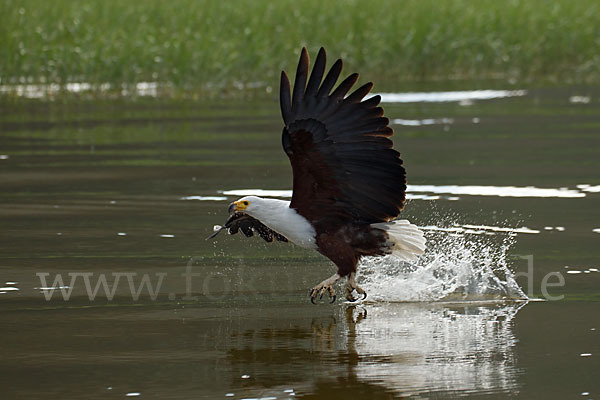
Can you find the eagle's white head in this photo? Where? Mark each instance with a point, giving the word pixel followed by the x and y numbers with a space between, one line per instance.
pixel 248 205
pixel 277 215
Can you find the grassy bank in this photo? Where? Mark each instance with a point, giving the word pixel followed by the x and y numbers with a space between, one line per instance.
pixel 217 46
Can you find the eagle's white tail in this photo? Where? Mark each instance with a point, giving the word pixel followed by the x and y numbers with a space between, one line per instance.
pixel 407 241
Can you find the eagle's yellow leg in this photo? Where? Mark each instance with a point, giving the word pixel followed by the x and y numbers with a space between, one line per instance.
pixel 325 287
pixel 352 286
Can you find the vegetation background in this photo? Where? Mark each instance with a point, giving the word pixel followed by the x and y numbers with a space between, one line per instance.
pixel 220 47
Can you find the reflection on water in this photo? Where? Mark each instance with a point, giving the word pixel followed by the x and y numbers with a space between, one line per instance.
pixel 40 91
pixel 404 349
pixel 440 97
pixel 589 188
pixel 264 348
pixel 463 348
pixel 421 122
pixel 500 191
pixel 469 190
pixel 152 89
pixel 205 198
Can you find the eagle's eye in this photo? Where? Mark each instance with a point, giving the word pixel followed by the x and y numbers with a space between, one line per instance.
pixel 245 203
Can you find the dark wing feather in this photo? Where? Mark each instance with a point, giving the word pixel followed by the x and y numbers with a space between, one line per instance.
pixel 339 147
pixel 249 225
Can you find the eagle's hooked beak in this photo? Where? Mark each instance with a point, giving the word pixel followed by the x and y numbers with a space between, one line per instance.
pixel 238 206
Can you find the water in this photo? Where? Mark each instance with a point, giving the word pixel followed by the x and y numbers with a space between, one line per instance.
pixel 108 288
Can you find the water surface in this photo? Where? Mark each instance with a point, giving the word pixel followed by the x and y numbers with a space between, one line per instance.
pixel 128 191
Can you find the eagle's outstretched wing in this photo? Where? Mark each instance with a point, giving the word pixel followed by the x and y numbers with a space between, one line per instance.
pixel 343 162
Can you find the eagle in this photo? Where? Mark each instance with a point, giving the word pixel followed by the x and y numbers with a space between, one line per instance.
pixel 349 184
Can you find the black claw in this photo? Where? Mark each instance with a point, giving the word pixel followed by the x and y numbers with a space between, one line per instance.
pixel 333 299
pixel 312 300
pixel 364 295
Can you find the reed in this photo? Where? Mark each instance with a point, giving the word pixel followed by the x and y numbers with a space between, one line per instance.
pixel 218 47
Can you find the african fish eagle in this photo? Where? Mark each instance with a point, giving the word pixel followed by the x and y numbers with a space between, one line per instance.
pixel 348 182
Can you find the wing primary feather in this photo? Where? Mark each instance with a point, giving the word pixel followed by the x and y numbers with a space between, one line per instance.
pixel 330 79
pixel 354 114
pixel 317 74
pixel 372 101
pixel 359 93
pixel 345 86
pixel 345 168
pixel 300 81
pixel 285 99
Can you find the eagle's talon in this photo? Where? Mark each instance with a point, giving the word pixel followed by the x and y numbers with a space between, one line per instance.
pixel 351 287
pixel 324 287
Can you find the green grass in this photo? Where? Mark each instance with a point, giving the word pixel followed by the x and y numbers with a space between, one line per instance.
pixel 218 47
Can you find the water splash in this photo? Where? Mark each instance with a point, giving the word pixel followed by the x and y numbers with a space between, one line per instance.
pixel 454 267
